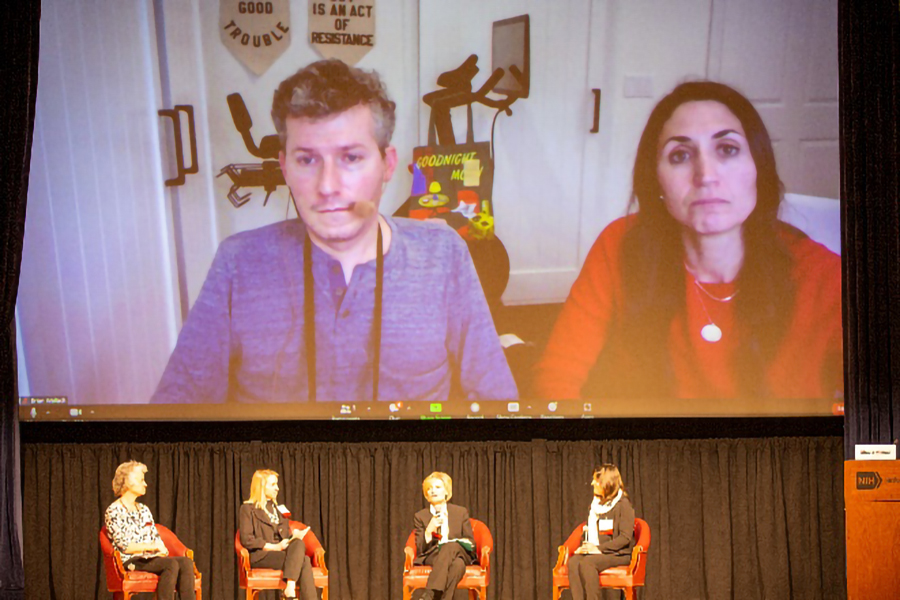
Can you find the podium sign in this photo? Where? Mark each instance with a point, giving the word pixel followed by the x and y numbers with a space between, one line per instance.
pixel 872 508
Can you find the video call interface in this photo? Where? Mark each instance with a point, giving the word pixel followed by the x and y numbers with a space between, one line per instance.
pixel 117 274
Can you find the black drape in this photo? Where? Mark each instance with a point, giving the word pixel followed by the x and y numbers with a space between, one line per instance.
pixel 18 92
pixel 743 519
pixel 869 47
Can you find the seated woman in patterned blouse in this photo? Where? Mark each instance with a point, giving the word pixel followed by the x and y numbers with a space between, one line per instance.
pixel 133 533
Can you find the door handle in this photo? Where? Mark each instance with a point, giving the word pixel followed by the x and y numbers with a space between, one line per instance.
pixel 596 127
pixel 188 110
pixel 174 115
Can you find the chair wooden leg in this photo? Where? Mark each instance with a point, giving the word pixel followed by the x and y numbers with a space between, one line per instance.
pixel 556 592
pixel 629 593
pixel 407 593
pixel 325 593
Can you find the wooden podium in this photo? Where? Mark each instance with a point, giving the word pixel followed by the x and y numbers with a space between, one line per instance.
pixel 872 508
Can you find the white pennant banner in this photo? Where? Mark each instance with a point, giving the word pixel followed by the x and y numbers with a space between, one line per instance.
pixel 256 33
pixel 343 29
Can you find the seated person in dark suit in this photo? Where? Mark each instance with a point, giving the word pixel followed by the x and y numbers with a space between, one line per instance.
pixel 435 527
pixel 608 535
pixel 267 534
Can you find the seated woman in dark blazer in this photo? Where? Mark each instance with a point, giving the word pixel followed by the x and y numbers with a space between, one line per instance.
pixel 609 534
pixel 267 534
pixel 434 526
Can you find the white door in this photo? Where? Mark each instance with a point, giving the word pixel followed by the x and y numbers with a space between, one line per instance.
pixel 782 54
pixel 97 304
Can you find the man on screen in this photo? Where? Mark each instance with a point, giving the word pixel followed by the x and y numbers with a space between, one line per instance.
pixel 342 304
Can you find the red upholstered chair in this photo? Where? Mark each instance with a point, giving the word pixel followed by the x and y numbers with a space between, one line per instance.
pixel 476 578
pixel 253 580
pixel 626 577
pixel 123 583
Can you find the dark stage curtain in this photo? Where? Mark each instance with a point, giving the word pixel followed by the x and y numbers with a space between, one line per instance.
pixel 18 74
pixel 869 44
pixel 742 519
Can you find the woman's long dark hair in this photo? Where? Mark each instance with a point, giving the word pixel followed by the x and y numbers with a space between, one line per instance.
pixel 653 255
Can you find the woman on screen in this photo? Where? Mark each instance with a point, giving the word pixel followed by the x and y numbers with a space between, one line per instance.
pixel 608 534
pixel 444 538
pixel 703 293
pixel 267 534
pixel 132 531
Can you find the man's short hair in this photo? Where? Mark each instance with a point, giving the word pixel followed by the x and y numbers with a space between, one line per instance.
pixel 329 87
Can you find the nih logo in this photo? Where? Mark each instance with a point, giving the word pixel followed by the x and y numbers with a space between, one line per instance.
pixel 868 480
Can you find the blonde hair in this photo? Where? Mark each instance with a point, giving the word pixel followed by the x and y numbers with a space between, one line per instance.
pixel 258 487
pixel 610 482
pixel 444 478
pixel 122 473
